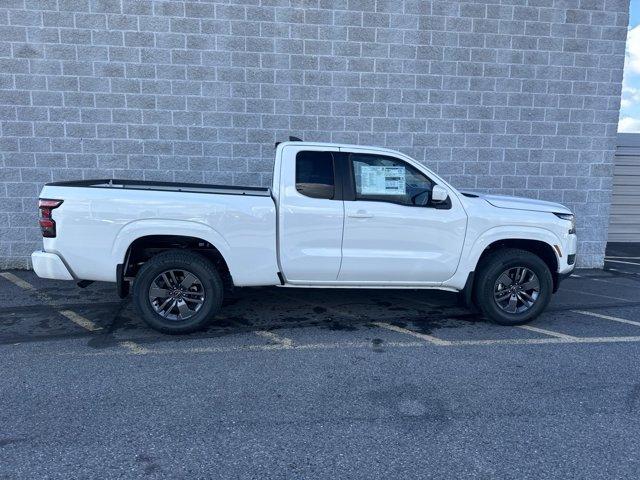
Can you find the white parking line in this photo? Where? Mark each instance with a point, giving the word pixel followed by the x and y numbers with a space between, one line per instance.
pixel 43 297
pixel 582 292
pixel 17 280
pixel 428 338
pixel 551 333
pixel 607 317
pixel 69 314
pixel 80 320
pixel 284 341
pixel 623 258
pixel 134 348
pixel 602 280
pixel 621 261
pixel 542 341
pixel 344 345
pixel 609 269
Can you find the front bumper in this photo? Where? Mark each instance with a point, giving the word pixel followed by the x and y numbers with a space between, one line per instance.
pixel 50 265
pixel 567 262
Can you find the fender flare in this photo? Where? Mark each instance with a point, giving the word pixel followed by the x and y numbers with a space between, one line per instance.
pixel 184 228
pixel 473 250
pixel 501 233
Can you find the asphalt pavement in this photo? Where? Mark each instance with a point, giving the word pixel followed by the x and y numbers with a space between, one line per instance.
pixel 297 383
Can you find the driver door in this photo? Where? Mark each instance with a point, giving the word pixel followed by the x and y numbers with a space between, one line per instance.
pixel 393 233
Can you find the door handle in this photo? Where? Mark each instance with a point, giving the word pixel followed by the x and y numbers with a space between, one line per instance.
pixel 360 214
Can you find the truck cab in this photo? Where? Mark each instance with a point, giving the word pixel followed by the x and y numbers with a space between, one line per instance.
pixel 356 216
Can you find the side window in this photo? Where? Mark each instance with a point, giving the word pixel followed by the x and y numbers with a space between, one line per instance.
pixel 390 180
pixel 314 174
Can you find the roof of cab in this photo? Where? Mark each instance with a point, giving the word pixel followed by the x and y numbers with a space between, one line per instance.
pixel 346 146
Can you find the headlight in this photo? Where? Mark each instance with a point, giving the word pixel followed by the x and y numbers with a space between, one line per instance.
pixel 571 218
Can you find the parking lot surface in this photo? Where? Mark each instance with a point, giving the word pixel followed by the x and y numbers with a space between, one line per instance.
pixel 301 383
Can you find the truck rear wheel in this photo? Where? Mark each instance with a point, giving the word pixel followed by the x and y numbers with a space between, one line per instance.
pixel 513 286
pixel 178 292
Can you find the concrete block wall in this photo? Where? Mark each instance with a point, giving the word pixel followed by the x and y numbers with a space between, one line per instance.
pixel 514 96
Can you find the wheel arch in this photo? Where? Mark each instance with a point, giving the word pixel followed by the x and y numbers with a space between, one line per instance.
pixel 138 243
pixel 540 248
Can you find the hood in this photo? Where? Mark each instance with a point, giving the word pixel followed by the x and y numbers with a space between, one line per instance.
pixel 519 203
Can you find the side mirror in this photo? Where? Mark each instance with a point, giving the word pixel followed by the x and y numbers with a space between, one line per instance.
pixel 439 194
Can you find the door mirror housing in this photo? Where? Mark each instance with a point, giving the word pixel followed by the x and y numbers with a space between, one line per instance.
pixel 439 194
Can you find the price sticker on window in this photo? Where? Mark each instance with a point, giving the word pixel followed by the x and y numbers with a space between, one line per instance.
pixel 377 180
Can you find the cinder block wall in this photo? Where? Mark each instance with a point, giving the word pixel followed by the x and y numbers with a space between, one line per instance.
pixel 517 97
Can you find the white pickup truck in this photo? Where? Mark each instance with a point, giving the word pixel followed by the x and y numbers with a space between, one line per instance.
pixel 336 216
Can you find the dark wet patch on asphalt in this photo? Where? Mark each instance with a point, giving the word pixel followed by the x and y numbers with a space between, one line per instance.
pixel 36 324
pixel 340 326
pixel 107 338
pixel 251 309
pixel 376 345
pixel 12 440
pixel 148 463
pixel 412 405
pixel 429 326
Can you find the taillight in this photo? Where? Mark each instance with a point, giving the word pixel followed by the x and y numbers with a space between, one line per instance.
pixel 47 223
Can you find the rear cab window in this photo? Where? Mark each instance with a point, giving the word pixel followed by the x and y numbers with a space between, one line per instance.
pixel 315 175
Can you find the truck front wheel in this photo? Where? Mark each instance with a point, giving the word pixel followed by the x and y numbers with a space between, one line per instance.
pixel 513 286
pixel 178 292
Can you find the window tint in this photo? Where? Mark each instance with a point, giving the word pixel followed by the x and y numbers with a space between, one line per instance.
pixel 314 174
pixel 387 179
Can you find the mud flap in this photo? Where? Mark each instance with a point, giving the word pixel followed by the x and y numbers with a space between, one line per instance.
pixel 122 286
pixel 466 294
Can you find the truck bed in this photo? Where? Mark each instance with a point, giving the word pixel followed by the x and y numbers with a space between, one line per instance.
pixel 166 186
pixel 98 220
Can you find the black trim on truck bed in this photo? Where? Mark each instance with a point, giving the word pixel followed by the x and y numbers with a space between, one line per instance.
pixel 166 186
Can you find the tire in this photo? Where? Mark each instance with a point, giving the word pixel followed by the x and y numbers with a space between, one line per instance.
pixel 192 304
pixel 494 295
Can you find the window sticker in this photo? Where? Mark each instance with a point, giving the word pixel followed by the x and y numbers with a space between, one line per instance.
pixel 376 180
